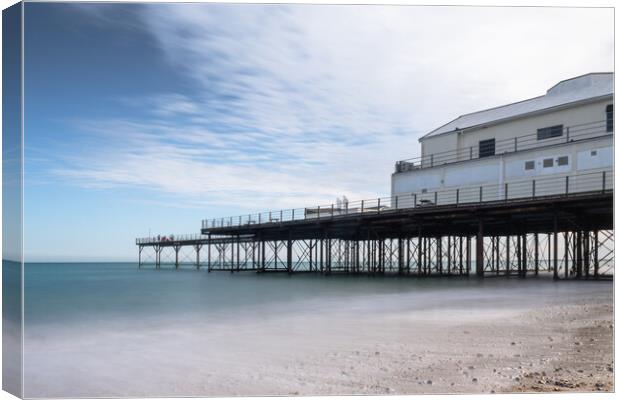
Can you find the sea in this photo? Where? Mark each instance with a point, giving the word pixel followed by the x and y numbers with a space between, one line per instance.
pixel 112 329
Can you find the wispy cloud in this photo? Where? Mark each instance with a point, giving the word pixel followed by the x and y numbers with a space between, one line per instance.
pixel 296 105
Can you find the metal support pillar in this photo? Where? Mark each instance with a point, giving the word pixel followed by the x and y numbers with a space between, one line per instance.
pixel 419 252
pixel 238 254
pixel 310 255
pixel 536 254
pixel 566 254
pixel 586 253
pixel 468 255
pixel 209 253
pixel 198 247
pixel 263 265
pixel 289 255
pixel 507 255
pixel 519 256
pixel 401 257
pixel 579 245
pixel 439 241
pixel 525 257
pixel 555 247
pixel 480 249
pixel 321 262
pixel 460 255
pixel 176 256
pixel 596 262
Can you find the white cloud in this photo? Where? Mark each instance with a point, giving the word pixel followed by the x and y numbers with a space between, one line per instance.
pixel 296 105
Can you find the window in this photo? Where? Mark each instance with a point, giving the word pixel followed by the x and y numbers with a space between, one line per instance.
pixel 593 153
pixel 549 132
pixel 563 160
pixel 486 148
pixel 548 162
pixel 529 165
pixel 609 111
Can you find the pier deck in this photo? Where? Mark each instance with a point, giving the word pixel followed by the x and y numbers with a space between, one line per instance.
pixel 567 232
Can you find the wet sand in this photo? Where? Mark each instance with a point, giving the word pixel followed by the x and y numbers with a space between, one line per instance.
pixel 499 336
pixel 551 348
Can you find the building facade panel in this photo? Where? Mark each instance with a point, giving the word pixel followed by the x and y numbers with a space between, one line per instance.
pixel 466 143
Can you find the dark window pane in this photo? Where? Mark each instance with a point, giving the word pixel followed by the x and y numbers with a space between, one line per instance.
pixel 529 165
pixel 609 110
pixel 550 132
pixel 486 148
pixel 563 160
pixel 548 162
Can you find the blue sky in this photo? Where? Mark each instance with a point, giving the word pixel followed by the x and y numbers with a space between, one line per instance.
pixel 152 117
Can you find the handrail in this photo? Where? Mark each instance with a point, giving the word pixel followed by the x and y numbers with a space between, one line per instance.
pixel 528 141
pixel 601 181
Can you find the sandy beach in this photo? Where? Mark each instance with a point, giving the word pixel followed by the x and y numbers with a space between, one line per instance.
pixel 324 336
pixel 552 348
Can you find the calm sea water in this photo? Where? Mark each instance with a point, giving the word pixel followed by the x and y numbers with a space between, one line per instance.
pixel 87 322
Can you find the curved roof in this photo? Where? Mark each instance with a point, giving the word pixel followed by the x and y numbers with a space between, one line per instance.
pixel 580 88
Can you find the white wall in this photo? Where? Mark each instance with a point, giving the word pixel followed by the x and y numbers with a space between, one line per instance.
pixel 583 157
pixel 528 125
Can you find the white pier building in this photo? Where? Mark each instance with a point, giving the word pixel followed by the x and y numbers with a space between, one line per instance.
pixel 564 133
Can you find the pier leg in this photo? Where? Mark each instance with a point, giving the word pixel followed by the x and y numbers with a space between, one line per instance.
pixel 439 241
pixel 460 255
pixel 310 255
pixel 289 255
pixel 198 247
pixel 140 256
pixel 536 254
pixel 480 250
pixel 329 255
pixel 497 259
pixel 566 253
pixel 262 261
pixel 519 256
pixel 579 245
pixel 468 255
pixel 401 257
pixel 357 256
pixel 209 253
pixel 238 254
pixel 176 256
pixel 254 247
pixel 525 258
pixel 449 254
pixel 408 255
pixel 157 255
pixel 586 253
pixel 555 247
pixel 321 261
pixel 596 262
pixel 507 256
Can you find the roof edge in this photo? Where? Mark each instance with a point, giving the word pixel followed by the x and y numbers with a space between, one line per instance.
pixel 514 117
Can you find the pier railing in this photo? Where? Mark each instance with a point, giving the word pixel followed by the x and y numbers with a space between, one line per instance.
pixel 187 238
pixel 518 143
pixel 527 189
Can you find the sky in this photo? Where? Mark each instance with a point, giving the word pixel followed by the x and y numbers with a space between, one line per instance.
pixel 146 118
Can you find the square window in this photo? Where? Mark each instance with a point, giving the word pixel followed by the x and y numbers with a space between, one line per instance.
pixel 593 153
pixel 563 160
pixel 486 148
pixel 548 162
pixel 529 165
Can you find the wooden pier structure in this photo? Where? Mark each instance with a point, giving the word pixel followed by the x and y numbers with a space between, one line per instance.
pixel 559 226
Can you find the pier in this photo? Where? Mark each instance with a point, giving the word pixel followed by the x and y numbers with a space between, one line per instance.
pixel 557 225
